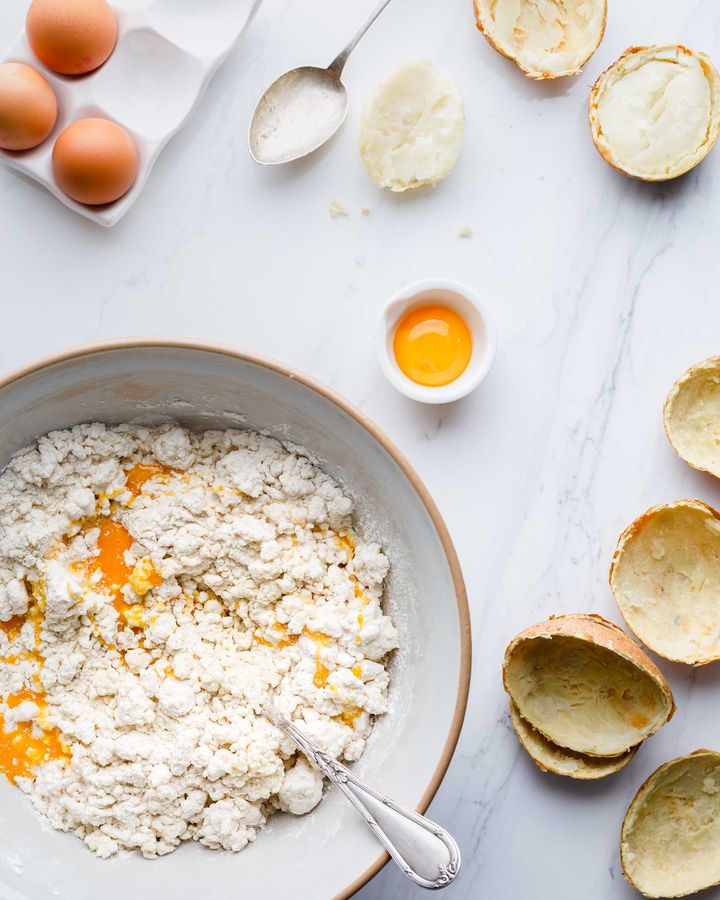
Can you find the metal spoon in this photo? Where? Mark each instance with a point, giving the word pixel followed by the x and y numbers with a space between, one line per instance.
pixel 302 109
pixel 425 852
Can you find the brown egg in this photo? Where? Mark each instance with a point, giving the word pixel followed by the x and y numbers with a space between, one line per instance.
pixel 28 108
pixel 71 36
pixel 95 161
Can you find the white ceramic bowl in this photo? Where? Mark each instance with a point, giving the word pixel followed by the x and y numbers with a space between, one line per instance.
pixel 166 53
pixel 469 306
pixel 329 853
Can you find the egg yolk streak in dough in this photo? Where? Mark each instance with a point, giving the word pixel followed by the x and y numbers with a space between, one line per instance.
pixel 26 745
pixel 29 744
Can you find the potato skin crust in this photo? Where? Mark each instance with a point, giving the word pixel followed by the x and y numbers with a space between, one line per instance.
pixel 595 630
pixel 635 802
pixel 596 131
pixel 712 362
pixel 535 74
pixel 627 536
pixel 582 772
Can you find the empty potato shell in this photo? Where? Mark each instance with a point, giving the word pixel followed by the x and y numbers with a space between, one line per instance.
pixel 548 757
pixel 665 576
pixel 670 841
pixel 586 686
pixel 547 40
pixel 692 416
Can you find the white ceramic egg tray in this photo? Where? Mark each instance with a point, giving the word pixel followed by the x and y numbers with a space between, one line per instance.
pixel 166 53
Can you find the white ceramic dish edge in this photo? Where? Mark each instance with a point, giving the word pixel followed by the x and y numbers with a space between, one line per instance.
pixel 210 383
pixel 77 98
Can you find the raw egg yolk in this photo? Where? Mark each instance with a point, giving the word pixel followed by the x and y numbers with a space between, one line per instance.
pixel 112 543
pixel 432 345
pixel 136 477
pixel 108 569
pixel 25 747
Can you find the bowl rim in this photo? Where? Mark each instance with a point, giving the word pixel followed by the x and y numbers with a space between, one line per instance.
pixel 159 343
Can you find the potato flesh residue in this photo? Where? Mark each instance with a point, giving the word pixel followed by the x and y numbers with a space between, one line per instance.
pixel 582 696
pixel 666 580
pixel 671 834
pixel 551 758
pixel 692 416
pixel 655 112
pixel 545 37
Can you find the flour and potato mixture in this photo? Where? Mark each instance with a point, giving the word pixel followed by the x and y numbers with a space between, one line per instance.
pixel 157 588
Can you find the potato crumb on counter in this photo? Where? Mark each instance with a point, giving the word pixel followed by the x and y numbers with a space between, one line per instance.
pixel 337 208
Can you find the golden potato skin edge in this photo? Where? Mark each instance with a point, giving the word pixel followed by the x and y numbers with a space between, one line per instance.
pixel 594 629
pixel 634 802
pixel 686 376
pixel 595 129
pixel 579 774
pixel 628 534
pixel 537 75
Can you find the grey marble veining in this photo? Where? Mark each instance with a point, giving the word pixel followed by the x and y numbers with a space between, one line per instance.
pixel 603 290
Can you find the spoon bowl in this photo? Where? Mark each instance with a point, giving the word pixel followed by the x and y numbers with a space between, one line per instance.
pixel 424 851
pixel 303 108
pixel 298 113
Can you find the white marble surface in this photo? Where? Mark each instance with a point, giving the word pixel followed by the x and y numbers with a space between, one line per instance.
pixel 603 291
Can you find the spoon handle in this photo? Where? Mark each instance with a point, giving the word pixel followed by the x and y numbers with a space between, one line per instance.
pixel 425 852
pixel 338 64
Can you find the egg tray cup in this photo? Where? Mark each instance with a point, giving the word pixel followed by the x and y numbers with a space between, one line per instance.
pixel 166 53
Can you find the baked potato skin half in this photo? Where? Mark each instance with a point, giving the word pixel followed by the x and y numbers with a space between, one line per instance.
pixel 648 587
pixel 691 416
pixel 548 757
pixel 539 71
pixel 622 66
pixel 543 681
pixel 670 836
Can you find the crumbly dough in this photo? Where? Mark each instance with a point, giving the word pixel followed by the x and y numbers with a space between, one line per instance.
pixel 141 667
pixel 655 113
pixel 412 128
pixel 546 38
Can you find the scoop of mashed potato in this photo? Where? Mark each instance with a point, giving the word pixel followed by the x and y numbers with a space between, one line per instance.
pixel 412 128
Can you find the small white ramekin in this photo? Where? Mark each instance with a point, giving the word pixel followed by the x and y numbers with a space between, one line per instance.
pixel 468 305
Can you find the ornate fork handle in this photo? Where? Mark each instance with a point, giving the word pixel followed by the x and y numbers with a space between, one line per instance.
pixel 425 852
